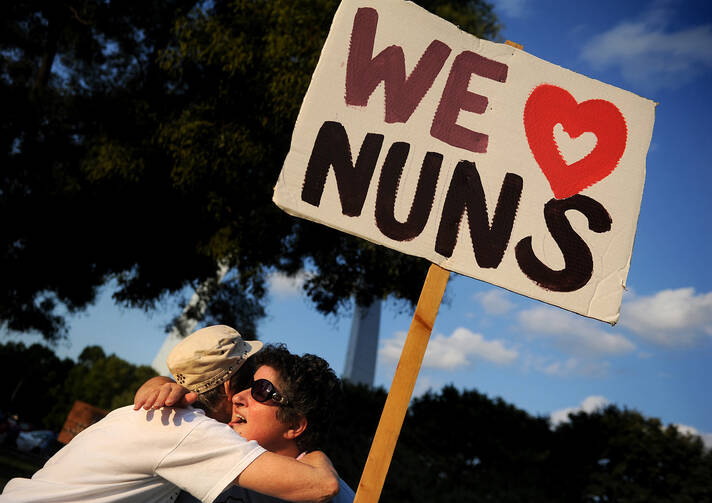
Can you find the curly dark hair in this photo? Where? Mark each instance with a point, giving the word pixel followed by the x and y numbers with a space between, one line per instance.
pixel 311 387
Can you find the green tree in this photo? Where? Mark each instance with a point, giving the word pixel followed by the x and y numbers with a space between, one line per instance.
pixel 619 455
pixel 104 381
pixel 354 424
pixel 69 72
pixel 469 448
pixel 32 377
pixel 462 446
pixel 41 388
pixel 142 141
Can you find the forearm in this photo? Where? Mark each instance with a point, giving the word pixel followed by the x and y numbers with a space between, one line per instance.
pixel 291 480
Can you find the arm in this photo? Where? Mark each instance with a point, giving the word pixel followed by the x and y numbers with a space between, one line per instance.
pixel 311 479
pixel 159 391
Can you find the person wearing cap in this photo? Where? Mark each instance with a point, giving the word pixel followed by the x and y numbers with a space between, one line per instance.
pixel 287 408
pixel 149 456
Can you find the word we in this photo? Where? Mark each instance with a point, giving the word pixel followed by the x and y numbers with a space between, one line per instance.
pixel 403 94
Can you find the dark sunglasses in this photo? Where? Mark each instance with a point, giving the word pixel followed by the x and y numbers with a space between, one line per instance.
pixel 263 390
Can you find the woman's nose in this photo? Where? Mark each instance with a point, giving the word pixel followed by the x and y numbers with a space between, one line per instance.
pixel 240 397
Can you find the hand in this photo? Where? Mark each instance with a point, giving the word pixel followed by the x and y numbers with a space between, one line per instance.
pixel 160 391
pixel 317 459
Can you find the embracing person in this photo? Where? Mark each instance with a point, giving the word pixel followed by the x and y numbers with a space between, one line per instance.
pixel 287 407
pixel 151 455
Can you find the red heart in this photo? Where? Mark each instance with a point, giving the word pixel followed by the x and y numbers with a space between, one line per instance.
pixel 550 105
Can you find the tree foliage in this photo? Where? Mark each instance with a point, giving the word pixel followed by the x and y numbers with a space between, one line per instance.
pixel 33 378
pixel 619 455
pixel 108 382
pixel 41 388
pixel 462 446
pixel 141 144
pixel 70 76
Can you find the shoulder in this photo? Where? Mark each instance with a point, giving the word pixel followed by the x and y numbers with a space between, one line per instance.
pixel 167 423
pixel 141 415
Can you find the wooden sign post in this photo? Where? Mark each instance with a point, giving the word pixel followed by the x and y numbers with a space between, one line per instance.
pixel 474 155
pixel 389 426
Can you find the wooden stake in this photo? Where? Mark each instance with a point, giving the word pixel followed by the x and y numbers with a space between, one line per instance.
pixel 384 442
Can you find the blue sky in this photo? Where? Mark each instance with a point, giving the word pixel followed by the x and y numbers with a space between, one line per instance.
pixel 537 357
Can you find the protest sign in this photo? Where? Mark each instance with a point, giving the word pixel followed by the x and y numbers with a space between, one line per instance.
pixel 475 155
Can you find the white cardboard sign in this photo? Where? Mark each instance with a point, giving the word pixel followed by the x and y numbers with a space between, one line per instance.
pixel 474 155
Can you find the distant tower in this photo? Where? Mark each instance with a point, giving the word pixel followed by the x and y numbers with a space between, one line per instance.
pixel 174 337
pixel 363 344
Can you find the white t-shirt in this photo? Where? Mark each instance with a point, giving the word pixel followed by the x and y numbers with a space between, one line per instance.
pixel 140 456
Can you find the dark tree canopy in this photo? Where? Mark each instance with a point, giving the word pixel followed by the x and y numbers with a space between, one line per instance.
pixel 41 389
pixel 141 144
pixel 620 455
pixel 33 378
pixel 462 446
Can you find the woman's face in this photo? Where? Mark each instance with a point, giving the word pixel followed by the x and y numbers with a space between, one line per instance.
pixel 258 420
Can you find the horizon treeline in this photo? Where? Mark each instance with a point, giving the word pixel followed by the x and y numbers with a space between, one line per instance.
pixel 455 446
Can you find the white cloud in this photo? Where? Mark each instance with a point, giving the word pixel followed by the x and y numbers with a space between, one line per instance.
pixel 568 367
pixel 511 8
pixel 572 333
pixel 689 430
pixel 590 404
pixel 282 285
pixel 686 430
pixel 457 350
pixel 649 54
pixel 670 317
pixel 495 302
pixel 560 368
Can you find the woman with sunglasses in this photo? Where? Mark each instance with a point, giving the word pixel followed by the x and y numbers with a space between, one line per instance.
pixel 286 407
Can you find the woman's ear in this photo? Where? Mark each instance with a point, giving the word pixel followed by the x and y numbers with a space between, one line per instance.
pixel 296 429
